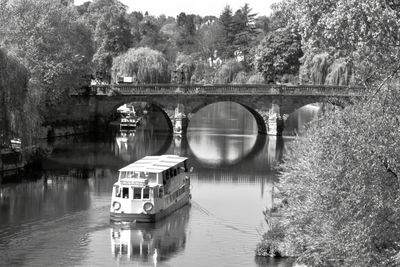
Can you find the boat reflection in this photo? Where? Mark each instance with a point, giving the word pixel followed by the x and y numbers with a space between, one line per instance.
pixel 150 242
pixel 133 145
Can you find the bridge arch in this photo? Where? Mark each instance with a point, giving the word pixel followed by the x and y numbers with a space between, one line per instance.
pixel 167 114
pixel 258 99
pixel 259 119
pixel 306 114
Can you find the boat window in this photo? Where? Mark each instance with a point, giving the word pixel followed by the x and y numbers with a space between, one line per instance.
pixel 125 192
pixel 146 192
pixel 152 177
pixel 185 166
pixel 167 175
pixel 117 249
pixel 155 192
pixel 122 175
pixel 137 193
pixel 117 191
pixel 175 172
pixel 161 191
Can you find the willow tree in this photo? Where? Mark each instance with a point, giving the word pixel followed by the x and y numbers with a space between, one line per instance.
pixel 13 90
pixel 326 67
pixel 147 65
pixel 366 32
pixel 228 71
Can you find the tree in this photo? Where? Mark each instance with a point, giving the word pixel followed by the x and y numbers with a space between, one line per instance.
pixel 56 50
pixel 53 45
pixel 186 39
pixel 326 67
pixel 263 23
pixel 244 29
pixel 13 92
pixel 227 36
pixel 340 181
pixel 341 184
pixel 147 65
pixel 112 35
pixel 278 54
pixel 360 29
pixel 228 71
pixel 134 20
pixel 208 40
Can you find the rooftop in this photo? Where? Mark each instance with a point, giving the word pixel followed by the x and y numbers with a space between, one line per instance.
pixel 153 164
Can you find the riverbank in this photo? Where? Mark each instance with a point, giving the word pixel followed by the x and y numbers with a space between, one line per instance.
pixel 16 161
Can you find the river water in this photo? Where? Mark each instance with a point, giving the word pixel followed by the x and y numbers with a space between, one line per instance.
pixel 60 216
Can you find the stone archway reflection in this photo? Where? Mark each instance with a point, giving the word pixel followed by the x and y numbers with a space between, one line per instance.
pixel 297 121
pixel 223 133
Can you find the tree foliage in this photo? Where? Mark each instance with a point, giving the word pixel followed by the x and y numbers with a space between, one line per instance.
pixel 111 33
pixel 367 32
pixel 226 37
pixel 228 71
pixel 244 30
pixel 278 54
pixel 341 183
pixel 13 92
pixel 147 65
pixel 186 38
pixel 50 41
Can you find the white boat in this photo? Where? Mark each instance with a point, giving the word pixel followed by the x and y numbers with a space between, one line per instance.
pixel 127 123
pixel 128 120
pixel 150 189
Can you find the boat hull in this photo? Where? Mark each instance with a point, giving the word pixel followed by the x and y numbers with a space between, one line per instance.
pixel 146 218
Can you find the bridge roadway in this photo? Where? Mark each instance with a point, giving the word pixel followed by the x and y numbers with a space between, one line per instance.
pixel 270 104
pixel 225 89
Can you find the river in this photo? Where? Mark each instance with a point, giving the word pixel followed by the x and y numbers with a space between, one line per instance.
pixel 60 216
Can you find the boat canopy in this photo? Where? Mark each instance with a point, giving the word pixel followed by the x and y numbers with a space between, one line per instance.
pixel 154 164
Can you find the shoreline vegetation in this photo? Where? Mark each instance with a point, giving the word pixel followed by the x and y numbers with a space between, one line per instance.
pixel 339 182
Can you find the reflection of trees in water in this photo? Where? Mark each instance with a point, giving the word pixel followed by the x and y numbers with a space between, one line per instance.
pixel 85 152
pixel 224 117
pixel 261 152
pixel 148 139
pixel 224 133
pixel 52 196
pixel 145 242
pixel 216 149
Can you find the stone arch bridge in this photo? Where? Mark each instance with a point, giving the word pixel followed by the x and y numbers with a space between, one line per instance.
pixel 269 104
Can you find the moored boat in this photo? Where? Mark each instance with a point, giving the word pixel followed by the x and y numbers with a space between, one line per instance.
pixel 128 123
pixel 150 189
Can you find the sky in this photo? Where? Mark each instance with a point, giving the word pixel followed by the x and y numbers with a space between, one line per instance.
pixel 197 7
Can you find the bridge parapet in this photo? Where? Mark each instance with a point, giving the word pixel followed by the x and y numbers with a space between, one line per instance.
pixel 224 89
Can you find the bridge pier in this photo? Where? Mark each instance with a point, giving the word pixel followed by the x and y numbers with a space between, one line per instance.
pixel 179 119
pixel 272 119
